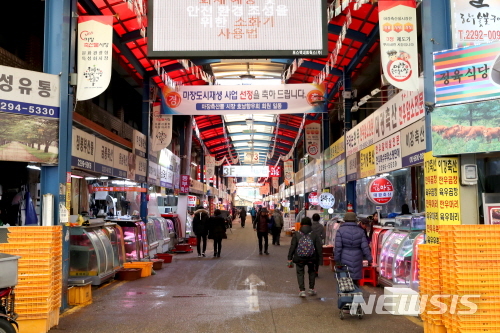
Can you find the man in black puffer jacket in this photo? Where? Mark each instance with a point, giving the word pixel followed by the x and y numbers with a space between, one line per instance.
pixel 351 245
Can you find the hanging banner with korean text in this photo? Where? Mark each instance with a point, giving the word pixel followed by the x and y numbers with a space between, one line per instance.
pixel 288 166
pixel 388 154
pixel 162 129
pixel 275 183
pixel 29 116
pixel 413 144
pixel 467 75
pixel 262 99
pixel 398 42
pixel 251 157
pixel 104 157
pixel 313 138
pixel 95 49
pixel 83 150
pixel 209 166
pixel 185 182
pixel 474 22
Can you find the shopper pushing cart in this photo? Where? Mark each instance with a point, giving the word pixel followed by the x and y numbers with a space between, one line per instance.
pixel 350 297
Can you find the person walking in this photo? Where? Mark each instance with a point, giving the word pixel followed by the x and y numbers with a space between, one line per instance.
pixel 351 245
pixel 253 213
pixel 243 217
pixel 217 231
pixel 200 229
pixel 305 250
pixel 277 223
pixel 319 229
pixel 261 225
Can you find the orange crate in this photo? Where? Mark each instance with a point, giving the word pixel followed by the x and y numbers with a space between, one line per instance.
pixel 146 266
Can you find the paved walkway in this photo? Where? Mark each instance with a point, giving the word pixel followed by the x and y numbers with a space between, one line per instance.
pixel 239 292
pixel 16 151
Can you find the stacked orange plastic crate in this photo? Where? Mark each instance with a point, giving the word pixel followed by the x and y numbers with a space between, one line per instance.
pixel 430 285
pixel 38 293
pixel 471 266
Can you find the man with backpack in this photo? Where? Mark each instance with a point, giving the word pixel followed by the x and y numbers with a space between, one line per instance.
pixel 305 250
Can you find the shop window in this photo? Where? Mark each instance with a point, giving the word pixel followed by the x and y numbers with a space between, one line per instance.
pixel 401 180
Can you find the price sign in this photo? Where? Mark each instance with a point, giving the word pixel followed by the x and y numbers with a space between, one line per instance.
pixel 326 200
pixel 380 191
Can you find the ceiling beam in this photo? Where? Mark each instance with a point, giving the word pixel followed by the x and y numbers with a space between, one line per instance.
pixel 351 34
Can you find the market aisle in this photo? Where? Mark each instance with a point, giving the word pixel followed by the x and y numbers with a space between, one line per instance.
pixel 239 292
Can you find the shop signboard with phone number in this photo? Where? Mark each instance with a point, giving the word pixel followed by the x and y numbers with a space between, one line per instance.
pixel 388 154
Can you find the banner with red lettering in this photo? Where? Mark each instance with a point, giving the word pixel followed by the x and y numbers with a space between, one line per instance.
pixel 398 42
pixel 95 50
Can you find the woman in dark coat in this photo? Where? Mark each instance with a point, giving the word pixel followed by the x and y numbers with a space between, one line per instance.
pixel 351 245
pixel 243 217
pixel 217 231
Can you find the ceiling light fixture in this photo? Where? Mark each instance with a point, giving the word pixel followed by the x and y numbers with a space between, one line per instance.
pixel 34 167
pixel 75 176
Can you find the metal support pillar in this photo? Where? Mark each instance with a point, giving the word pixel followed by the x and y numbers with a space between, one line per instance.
pixel 58 58
pixel 436 36
pixel 145 129
pixel 350 189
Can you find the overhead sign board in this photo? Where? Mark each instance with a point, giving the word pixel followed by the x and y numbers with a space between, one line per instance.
pixel 246 171
pixel 262 99
pixel 232 29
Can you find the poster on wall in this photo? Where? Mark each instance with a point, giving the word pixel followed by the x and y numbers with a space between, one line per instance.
pixel 466 128
pixel 388 154
pixel 94 55
pixel 83 150
pixel 467 75
pixel 29 116
pixel 413 144
pixel 262 99
pixel 161 128
pixel 473 23
pixel 313 138
pixel 398 42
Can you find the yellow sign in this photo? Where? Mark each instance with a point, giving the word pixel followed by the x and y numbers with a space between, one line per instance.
pixel 367 162
pixel 442 194
pixel 337 150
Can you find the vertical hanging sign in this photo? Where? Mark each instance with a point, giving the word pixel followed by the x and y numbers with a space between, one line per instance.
pixel 209 167
pixel 288 166
pixel 398 42
pixel 162 129
pixel 95 48
pixel 313 138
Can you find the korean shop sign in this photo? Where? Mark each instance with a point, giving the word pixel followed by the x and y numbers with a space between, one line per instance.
pixel 367 162
pixel 465 75
pixel 83 150
pixel 380 191
pixel 474 22
pixel 120 162
pixel 262 99
pixel 413 143
pixel 352 167
pixel 388 154
pixel 237 28
pixel 29 109
pixel 104 157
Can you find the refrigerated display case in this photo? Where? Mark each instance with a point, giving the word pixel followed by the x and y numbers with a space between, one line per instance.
pixel 115 235
pixel 379 236
pixel 135 239
pixel 397 251
pixel 162 233
pixel 415 269
pixel 153 238
pixel 91 253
